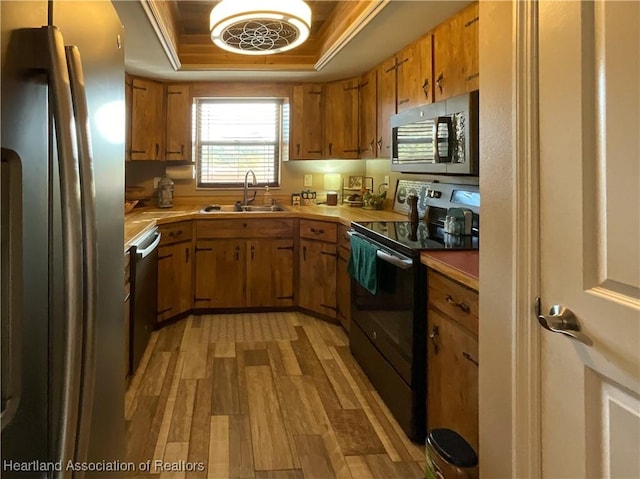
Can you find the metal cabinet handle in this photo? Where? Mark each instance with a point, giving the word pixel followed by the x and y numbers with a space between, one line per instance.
pixel 463 306
pixel 425 88
pixel 157 150
pixel 297 148
pixel 468 357
pixel 562 320
pixel 372 145
pixel 304 253
pixel 331 148
pixel 439 81
pixel 253 251
pixel 237 253
pixel 433 336
pixel 186 255
pixel 316 231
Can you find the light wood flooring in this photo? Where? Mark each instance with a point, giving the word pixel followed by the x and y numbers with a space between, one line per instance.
pixel 274 408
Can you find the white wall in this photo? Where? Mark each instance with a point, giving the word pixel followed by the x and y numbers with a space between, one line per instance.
pixel 497 283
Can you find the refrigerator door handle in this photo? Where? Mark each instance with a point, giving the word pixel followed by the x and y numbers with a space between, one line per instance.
pixel 90 255
pixel 72 241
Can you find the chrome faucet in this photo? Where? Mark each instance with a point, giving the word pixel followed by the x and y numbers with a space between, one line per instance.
pixel 246 200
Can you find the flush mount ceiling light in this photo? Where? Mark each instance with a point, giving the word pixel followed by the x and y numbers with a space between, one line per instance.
pixel 260 27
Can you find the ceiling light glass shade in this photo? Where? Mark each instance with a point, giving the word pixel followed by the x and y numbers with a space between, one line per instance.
pixel 259 27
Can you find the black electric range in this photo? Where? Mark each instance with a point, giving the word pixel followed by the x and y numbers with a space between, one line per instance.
pixel 410 238
pixel 388 330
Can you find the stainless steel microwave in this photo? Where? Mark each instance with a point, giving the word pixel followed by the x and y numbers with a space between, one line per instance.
pixel 438 138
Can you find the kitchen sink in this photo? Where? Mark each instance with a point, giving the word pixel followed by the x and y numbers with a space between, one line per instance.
pixel 237 208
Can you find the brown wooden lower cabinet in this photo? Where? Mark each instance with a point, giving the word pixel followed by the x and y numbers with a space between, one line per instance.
pixel 343 280
pixel 270 272
pixel 219 274
pixel 175 278
pixel 238 273
pixel 317 284
pixel 452 365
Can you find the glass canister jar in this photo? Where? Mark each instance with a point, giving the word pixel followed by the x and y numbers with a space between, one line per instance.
pixel 165 192
pixel 449 456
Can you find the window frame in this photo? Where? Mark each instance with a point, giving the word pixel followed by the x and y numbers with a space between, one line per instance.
pixel 281 145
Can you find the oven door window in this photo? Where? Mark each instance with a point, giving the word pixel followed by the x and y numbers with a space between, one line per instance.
pixel 387 317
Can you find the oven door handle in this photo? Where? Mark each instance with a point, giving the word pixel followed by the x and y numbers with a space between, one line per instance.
pixel 394 260
pixel 400 262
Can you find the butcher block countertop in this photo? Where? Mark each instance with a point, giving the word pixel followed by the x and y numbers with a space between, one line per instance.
pixel 141 220
pixel 461 266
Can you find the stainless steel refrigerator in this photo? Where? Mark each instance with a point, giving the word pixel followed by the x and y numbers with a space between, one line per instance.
pixel 62 183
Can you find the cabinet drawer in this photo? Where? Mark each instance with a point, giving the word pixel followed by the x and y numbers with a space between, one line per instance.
pixel 343 238
pixel 249 228
pixel 318 230
pixel 453 299
pixel 175 232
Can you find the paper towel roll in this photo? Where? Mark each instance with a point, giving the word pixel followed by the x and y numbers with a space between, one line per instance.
pixel 182 172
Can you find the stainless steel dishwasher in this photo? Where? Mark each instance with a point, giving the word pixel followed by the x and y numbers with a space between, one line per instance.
pixel 144 271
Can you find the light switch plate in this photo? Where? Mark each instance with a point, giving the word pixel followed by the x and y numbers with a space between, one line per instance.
pixel 308 180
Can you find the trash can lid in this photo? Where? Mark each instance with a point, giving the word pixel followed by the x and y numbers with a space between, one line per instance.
pixel 452 447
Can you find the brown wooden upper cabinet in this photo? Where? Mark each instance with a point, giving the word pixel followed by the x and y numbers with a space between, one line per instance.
pixel 386 106
pixel 368 114
pixel 414 74
pixel 341 138
pixel 455 55
pixel 147 119
pixel 178 124
pixel 306 122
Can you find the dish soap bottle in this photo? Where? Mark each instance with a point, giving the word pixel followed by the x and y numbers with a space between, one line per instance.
pixel 268 199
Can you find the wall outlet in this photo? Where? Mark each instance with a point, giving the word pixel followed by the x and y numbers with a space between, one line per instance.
pixel 156 180
pixel 308 180
pixel 386 180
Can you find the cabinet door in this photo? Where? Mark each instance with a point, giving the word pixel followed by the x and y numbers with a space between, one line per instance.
pixel 425 50
pixel 343 290
pixel 270 272
pixel 219 273
pixel 317 280
pixel 147 119
pixel 386 106
pixel 409 76
pixel 306 122
pixel 470 25
pixel 444 61
pixel 341 119
pixel 167 282
pixel 455 54
pixel 368 114
pixel 184 276
pixel 178 134
pixel 452 393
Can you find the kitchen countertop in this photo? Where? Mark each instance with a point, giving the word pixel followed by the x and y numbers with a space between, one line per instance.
pixel 462 266
pixel 140 221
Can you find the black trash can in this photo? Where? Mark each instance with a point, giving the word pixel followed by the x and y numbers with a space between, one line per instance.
pixel 449 456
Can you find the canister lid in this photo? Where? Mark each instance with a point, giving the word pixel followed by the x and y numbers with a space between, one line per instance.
pixel 452 447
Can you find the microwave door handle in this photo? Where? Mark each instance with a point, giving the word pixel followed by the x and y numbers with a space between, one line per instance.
pixel 436 154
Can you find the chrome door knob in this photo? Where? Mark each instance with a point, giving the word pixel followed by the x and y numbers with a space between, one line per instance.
pixel 562 320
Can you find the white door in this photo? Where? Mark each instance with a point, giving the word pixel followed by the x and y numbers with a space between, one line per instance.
pixel 590 226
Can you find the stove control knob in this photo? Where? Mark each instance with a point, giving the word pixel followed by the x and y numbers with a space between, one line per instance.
pixel 436 194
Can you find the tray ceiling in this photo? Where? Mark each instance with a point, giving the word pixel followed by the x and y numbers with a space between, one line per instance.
pixel 170 39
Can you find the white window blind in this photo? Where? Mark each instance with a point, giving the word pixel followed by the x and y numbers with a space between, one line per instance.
pixel 236 135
